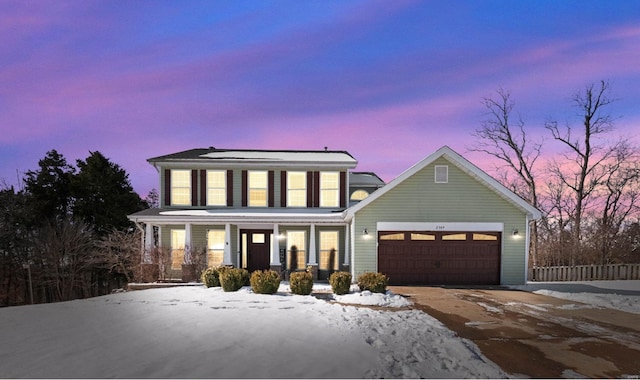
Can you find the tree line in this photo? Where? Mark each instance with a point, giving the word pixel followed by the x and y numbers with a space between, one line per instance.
pixel 65 234
pixel 588 192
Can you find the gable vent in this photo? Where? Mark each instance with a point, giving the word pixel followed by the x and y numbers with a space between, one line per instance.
pixel 441 174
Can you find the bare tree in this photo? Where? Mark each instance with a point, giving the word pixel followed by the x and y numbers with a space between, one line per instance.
pixel 501 137
pixel 620 197
pixel 119 253
pixel 583 169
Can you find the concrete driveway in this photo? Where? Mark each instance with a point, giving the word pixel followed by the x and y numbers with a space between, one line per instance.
pixel 534 335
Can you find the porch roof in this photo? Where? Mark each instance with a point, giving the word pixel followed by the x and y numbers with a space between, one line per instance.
pixel 239 216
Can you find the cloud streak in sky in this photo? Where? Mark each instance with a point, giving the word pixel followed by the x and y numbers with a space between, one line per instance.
pixel 389 82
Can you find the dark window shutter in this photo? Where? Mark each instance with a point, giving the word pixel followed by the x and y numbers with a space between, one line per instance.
pixel 167 187
pixel 194 188
pixel 245 190
pixel 271 188
pixel 229 188
pixel 203 187
pixel 283 188
pixel 316 189
pixel 309 189
pixel 343 189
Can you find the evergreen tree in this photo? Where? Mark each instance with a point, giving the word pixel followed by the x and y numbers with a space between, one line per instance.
pixel 103 194
pixel 50 187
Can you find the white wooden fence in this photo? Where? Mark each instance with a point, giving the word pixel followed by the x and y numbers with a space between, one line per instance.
pixel 586 273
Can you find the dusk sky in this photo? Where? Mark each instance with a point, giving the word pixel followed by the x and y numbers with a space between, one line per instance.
pixel 388 81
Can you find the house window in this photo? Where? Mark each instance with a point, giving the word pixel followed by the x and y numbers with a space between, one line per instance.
pixel 329 250
pixel 181 187
pixel 258 184
pixel 216 188
pixel 441 174
pixel 215 247
pixel 359 195
pixel 296 189
pixel 296 258
pixel 177 248
pixel 329 189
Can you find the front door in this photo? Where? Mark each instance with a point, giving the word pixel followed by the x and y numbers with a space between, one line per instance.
pixel 258 249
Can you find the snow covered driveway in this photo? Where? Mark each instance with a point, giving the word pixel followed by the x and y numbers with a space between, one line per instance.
pixel 194 332
pixel 537 335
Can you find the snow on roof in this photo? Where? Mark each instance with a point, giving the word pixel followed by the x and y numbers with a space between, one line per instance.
pixel 329 157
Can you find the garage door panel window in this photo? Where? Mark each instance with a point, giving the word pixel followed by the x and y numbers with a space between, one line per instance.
pixel 423 236
pixel 392 236
pixel 455 237
pixel 485 237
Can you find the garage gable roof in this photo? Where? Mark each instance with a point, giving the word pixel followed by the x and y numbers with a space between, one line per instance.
pixel 464 165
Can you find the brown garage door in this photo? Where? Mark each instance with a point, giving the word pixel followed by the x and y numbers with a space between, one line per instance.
pixel 439 258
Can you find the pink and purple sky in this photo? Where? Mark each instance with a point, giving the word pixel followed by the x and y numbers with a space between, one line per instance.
pixel 388 81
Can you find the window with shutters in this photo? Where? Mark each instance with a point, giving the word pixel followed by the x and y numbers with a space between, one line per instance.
pixel 216 188
pixel 180 187
pixel 257 188
pixel 296 189
pixel 329 189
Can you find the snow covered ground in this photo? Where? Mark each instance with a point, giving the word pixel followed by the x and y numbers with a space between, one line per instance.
pixel 194 332
pixel 620 295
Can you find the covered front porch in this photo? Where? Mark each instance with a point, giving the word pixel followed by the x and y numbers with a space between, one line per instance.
pixel 281 240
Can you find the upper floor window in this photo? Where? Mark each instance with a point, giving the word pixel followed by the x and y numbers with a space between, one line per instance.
pixel 216 188
pixel 296 189
pixel 258 188
pixel 181 187
pixel 359 195
pixel 329 189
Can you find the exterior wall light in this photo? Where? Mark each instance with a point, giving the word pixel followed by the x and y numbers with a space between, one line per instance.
pixel 515 233
pixel 365 232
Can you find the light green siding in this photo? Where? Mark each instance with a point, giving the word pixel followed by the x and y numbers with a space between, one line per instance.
pixel 463 199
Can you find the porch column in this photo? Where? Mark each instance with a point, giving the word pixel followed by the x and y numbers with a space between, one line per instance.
pixel 226 259
pixel 312 246
pixel 148 243
pixel 275 246
pixel 187 243
pixel 347 245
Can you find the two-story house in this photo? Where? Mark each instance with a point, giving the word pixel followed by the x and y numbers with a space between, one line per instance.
pixel 254 208
pixel 442 221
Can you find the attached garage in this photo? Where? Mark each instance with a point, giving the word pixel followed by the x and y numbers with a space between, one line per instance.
pixel 442 222
pixel 439 258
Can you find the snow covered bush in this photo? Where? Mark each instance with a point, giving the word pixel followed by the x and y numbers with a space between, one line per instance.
pixel 265 282
pixel 232 279
pixel 340 282
pixel 301 283
pixel 210 277
pixel 373 282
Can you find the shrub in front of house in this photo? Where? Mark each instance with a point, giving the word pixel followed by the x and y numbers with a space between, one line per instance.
pixel 265 282
pixel 340 282
pixel 301 283
pixel 373 282
pixel 210 277
pixel 232 279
